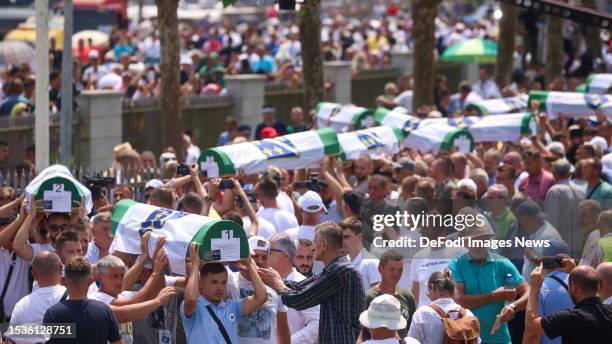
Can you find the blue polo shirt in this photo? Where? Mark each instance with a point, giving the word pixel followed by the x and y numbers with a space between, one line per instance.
pixel 201 327
pixel 554 298
pixel 483 279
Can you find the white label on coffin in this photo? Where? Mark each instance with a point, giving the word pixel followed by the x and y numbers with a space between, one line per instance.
pixel 463 144
pixel 61 200
pixel 210 166
pixel 228 246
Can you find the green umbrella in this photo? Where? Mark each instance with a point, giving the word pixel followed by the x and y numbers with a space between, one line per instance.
pixel 481 51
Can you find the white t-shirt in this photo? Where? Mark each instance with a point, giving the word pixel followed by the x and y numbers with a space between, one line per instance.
pixel 426 262
pixel 368 271
pixel 125 328
pixel 260 326
pixel 427 326
pixel 31 310
pixel 302 232
pixel 265 229
pixel 303 325
pixel 404 99
pixel 18 285
pixel 280 219
pixel 93 252
pixel 284 202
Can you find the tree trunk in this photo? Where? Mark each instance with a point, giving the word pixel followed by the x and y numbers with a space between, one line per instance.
pixel 591 34
pixel 507 32
pixel 312 57
pixel 554 49
pixel 172 118
pixel 423 31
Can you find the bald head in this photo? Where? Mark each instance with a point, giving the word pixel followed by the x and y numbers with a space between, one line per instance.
pixel 604 275
pixel 585 278
pixel 47 268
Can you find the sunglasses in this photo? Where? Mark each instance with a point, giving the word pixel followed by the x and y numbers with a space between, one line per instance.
pixel 276 250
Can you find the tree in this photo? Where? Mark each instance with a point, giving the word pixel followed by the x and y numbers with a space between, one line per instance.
pixel 507 32
pixel 593 40
pixel 309 21
pixel 554 48
pixel 423 30
pixel 171 115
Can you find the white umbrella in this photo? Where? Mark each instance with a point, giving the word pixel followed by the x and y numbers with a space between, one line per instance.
pixel 14 52
pixel 98 38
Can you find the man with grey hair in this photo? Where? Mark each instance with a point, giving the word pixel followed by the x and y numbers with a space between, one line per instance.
pixel 497 201
pixel 481 178
pixel 115 293
pixel 102 238
pixel 304 325
pixel 561 205
pixel 491 159
pixel 601 251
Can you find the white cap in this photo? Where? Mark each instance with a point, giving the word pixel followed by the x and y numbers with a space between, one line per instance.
pixel 165 158
pixel 384 311
pixel 311 202
pixel 258 243
pixel 93 54
pixel 468 183
pixel 186 60
pixel 601 142
pixel 154 183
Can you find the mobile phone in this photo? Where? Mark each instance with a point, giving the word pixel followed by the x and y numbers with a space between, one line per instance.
pixel 226 184
pixel 182 170
pixel 551 262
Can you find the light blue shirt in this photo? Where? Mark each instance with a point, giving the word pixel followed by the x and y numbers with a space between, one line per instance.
pixel 545 232
pixel 554 298
pixel 201 327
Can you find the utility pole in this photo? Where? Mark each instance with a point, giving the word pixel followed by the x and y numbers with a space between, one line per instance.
pixel 41 137
pixel 66 119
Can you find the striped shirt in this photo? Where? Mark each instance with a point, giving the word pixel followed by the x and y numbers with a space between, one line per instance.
pixel 339 291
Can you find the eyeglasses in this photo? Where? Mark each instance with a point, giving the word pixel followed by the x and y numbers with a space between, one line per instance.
pixel 276 250
pixel 59 227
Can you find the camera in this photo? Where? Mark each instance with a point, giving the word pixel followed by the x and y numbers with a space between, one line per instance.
pixel 96 184
pixel 182 170
pixel 313 183
pixel 552 262
pixel 226 184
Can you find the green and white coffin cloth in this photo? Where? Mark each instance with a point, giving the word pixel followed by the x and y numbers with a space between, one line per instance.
pixel 509 127
pixel 599 84
pixel 370 141
pixel 395 118
pixel 300 150
pixel 56 184
pixel 340 117
pixel 435 138
pixel 219 240
pixel 572 104
pixel 498 106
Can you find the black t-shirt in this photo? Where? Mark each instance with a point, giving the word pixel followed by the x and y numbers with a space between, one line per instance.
pixel 589 322
pixel 94 321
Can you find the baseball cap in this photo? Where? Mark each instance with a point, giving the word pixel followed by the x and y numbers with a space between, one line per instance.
pixel 384 311
pixel 601 142
pixel 93 54
pixel 268 133
pixel 311 202
pixel 353 200
pixel 154 183
pixel 165 158
pixel 468 183
pixel 268 108
pixel 258 243
pixel 530 209
pixel 406 164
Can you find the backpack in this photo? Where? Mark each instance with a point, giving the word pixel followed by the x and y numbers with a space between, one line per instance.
pixel 464 329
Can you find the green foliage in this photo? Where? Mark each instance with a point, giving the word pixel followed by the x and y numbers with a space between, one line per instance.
pixel 228 2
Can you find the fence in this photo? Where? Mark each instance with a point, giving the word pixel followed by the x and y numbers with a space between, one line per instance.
pixel 205 116
pixel 19 179
pixel 18 132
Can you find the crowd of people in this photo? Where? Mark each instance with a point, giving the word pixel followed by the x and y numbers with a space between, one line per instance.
pixel 363 34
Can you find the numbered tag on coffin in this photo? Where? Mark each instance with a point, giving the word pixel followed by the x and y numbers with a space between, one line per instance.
pixel 60 201
pixel 227 246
